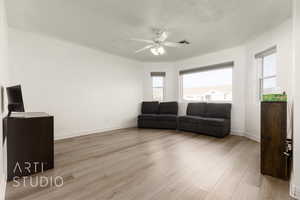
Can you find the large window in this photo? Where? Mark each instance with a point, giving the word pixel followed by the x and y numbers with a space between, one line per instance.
pixel 158 79
pixel 208 84
pixel 267 66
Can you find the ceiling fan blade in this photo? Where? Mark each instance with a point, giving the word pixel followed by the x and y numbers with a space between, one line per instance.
pixel 144 48
pixel 163 36
pixel 184 42
pixel 172 44
pixel 142 40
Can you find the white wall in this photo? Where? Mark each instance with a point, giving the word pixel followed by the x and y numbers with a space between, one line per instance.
pixel 282 38
pixel 295 189
pixel 3 80
pixel 84 89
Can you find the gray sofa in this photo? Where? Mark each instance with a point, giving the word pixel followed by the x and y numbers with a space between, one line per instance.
pixel 158 115
pixel 207 118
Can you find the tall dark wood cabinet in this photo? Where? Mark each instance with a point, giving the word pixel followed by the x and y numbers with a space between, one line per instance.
pixel 274 162
pixel 30 146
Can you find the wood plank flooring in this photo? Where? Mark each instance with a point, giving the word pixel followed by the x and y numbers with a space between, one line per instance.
pixel 145 164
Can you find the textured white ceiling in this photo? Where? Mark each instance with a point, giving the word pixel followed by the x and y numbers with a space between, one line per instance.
pixel 209 25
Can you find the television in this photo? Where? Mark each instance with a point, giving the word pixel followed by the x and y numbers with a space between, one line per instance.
pixel 15 99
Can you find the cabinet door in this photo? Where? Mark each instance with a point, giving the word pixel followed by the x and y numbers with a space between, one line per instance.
pixel 272 138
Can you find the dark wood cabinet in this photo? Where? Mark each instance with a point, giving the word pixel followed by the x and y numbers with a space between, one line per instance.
pixel 30 147
pixel 273 139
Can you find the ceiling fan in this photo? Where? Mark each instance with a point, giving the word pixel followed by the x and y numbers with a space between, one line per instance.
pixel 158 43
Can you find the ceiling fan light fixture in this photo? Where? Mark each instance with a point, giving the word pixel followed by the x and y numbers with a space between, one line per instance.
pixel 157 51
pixel 153 51
pixel 161 50
pixel 159 42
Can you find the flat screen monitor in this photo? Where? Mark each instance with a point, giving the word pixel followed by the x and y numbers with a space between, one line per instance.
pixel 15 99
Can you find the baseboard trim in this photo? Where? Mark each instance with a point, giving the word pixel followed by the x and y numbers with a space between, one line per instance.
pixel 252 137
pixel 89 132
pixel 237 132
pixel 2 187
pixel 295 191
pixel 245 134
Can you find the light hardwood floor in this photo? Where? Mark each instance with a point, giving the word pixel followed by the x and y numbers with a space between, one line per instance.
pixel 150 164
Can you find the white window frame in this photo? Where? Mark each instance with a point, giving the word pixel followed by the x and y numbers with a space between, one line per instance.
pixel 163 87
pixel 260 60
pixel 180 86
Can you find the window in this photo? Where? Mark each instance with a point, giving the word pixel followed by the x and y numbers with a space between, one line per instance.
pixel 158 85
pixel 269 72
pixel 267 66
pixel 212 83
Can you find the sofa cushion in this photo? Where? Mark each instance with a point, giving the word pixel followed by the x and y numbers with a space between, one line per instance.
pixel 218 110
pixel 147 117
pixel 167 117
pixel 189 119
pixel 150 107
pixel 202 120
pixel 196 109
pixel 168 108
pixel 213 121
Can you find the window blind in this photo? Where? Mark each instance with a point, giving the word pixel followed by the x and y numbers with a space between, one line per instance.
pixel 158 73
pixel 207 68
pixel 266 52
